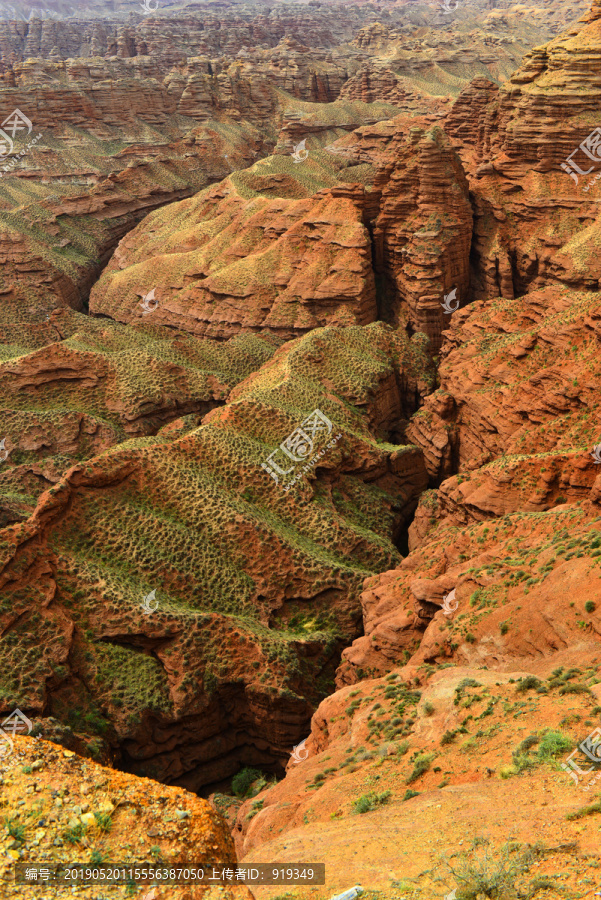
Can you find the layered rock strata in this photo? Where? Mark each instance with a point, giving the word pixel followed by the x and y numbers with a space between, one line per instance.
pixel 388 238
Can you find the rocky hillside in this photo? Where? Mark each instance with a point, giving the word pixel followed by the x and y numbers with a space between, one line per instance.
pixel 63 809
pixel 183 515
pixel 268 249
pixel 420 789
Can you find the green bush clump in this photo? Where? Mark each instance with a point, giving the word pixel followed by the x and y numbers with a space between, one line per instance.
pixel 255 808
pixel 243 781
pixel 74 835
pixel 590 810
pixel 103 821
pixel 528 743
pixel 482 872
pixel 553 744
pixel 530 682
pixel 370 801
pixel 574 689
pixel 421 764
pixel 15 829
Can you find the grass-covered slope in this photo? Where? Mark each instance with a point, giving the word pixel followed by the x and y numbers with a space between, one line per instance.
pixel 257 587
pixel 99 383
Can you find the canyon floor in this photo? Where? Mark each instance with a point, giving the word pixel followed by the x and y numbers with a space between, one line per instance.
pixel 300 446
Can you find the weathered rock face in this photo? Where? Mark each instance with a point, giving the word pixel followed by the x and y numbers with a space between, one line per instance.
pixel 522 586
pixel 374 83
pixel 517 415
pixel 507 485
pixel 146 135
pixel 221 516
pixel 422 233
pixel 517 377
pixel 183 826
pixel 420 217
pixel 533 225
pixel 83 215
pixel 256 580
pixel 233 264
pixel 410 220
pixel 219 30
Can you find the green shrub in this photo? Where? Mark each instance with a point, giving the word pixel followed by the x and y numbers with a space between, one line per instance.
pixel 530 682
pixel 522 762
pixel 590 606
pixel 448 737
pixel 528 742
pixel 409 794
pixel 74 835
pixel 574 689
pixel 586 810
pixel 103 821
pixel 480 872
pixel 370 801
pixel 553 744
pixel 421 764
pixel 15 829
pixel 256 807
pixel 243 780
